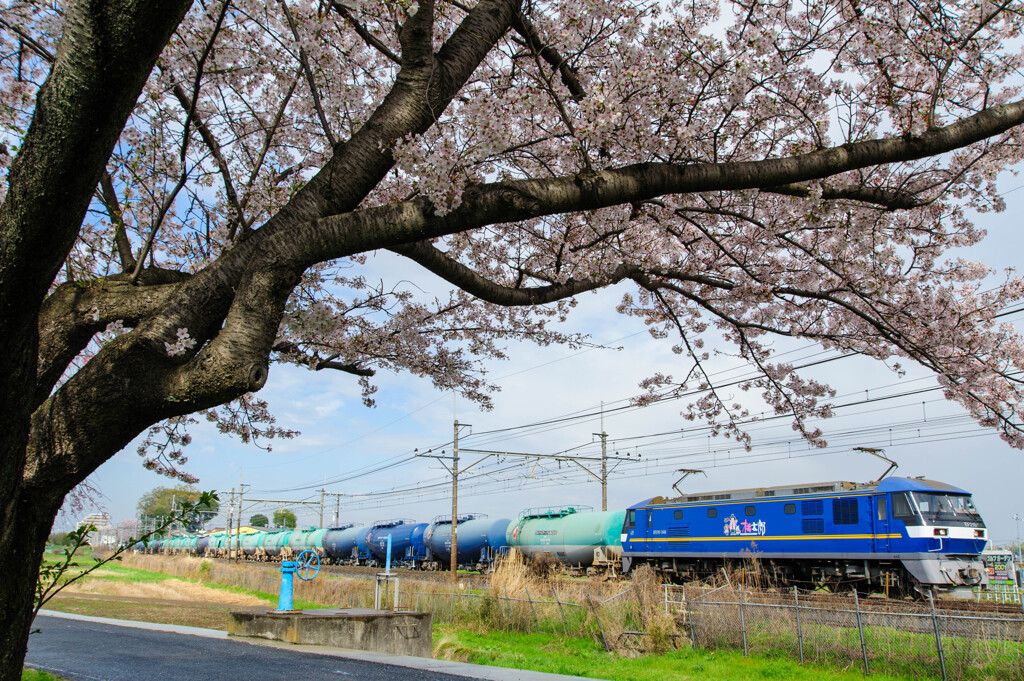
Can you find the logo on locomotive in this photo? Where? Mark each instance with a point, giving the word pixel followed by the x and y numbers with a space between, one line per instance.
pixel 745 528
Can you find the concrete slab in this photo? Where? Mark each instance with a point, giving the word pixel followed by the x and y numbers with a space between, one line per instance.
pixel 381 631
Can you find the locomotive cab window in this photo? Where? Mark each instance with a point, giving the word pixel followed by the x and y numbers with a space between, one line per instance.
pixel 882 513
pixel 790 509
pixel 631 519
pixel 712 512
pixel 903 507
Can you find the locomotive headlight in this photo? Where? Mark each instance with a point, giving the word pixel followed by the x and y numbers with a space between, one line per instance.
pixel 941 532
pixel 979 533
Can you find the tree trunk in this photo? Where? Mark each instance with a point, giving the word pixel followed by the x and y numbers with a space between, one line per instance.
pixel 22 542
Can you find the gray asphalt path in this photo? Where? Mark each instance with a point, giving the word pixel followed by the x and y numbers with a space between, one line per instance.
pixel 93 649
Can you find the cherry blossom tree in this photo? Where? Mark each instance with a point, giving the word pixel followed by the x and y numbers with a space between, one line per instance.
pixel 190 190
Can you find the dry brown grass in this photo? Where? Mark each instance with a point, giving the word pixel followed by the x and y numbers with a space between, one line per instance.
pixel 325 590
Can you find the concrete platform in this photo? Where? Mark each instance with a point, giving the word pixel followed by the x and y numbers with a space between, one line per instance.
pixel 379 631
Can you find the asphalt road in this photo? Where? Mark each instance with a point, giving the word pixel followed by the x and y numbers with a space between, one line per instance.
pixel 81 650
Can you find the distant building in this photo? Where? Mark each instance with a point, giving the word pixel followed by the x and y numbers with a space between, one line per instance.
pixel 105 534
pixel 100 520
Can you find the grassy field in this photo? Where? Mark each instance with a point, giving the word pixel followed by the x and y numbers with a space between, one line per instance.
pixel 584 657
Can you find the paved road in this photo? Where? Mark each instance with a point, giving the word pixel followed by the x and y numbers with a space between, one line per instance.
pixel 88 649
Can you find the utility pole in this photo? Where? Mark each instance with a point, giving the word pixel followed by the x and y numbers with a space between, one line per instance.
pixel 1016 516
pixel 322 493
pixel 604 469
pixel 241 491
pixel 455 503
pixel 231 512
pixel 337 510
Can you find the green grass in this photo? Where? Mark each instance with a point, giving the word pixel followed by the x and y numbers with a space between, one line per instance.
pixel 36 675
pixel 585 657
pixel 898 652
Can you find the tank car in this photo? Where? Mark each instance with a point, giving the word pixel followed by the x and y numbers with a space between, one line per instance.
pixel 572 535
pixel 479 539
pixel 252 545
pixel 311 539
pixel 275 544
pixel 201 544
pixel 347 544
pixel 416 554
pixel 898 534
pixel 400 531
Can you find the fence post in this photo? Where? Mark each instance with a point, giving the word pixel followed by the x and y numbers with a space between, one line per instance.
pixel 938 638
pixel 508 605
pixel 743 624
pixel 600 628
pixel 860 630
pixel 799 629
pixel 451 610
pixel 691 613
pixel 665 586
pixel 559 601
pixel 532 609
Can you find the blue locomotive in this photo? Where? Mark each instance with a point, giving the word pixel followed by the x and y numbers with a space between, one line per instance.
pixel 897 534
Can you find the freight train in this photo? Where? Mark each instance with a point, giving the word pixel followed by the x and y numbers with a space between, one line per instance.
pixel 572 536
pixel 898 535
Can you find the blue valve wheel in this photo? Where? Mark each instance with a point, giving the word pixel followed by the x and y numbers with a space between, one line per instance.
pixel 307 565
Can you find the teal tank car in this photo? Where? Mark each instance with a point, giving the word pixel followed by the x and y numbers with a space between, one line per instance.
pixel 252 544
pixel 571 535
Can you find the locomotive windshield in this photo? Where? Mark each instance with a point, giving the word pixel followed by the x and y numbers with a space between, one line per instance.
pixel 934 508
pixel 939 507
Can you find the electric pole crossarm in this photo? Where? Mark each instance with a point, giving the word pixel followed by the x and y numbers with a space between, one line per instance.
pixel 591 473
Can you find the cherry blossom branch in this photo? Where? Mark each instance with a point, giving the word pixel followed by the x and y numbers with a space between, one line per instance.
pixel 109 198
pixel 315 362
pixel 370 39
pixel 997 10
pixel 313 90
pixel 888 199
pixel 216 151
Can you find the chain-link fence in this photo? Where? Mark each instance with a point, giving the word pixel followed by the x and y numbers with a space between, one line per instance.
pixel 941 639
pixel 935 639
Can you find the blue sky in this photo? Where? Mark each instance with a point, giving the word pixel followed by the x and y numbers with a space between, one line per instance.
pixel 342 441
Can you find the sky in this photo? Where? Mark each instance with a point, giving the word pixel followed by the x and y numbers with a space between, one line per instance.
pixel 554 401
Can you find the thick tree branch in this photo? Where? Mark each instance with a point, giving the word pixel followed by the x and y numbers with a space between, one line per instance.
pixel 77 311
pixel 503 202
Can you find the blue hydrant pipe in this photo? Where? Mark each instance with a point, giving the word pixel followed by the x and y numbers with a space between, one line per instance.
pixel 284 600
pixel 387 563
